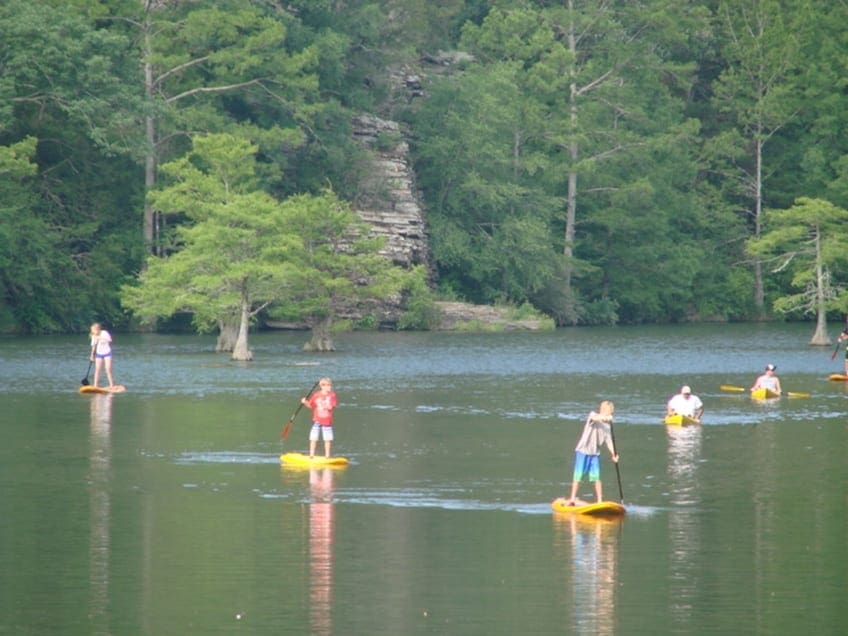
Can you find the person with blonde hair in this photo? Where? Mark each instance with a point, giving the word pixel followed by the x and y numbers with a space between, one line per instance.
pixel 101 353
pixel 597 432
pixel 322 402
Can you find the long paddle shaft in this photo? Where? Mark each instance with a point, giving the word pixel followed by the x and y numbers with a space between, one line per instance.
pixel 617 470
pixel 739 389
pixel 836 348
pixel 85 381
pixel 288 425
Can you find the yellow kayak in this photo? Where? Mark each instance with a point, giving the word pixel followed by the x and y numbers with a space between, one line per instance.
pixel 305 461
pixel 680 420
pixel 596 509
pixel 837 377
pixel 764 394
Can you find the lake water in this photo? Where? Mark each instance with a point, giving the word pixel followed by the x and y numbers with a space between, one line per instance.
pixel 164 510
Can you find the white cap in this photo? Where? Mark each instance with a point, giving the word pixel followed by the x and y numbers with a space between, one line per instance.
pixel 685 389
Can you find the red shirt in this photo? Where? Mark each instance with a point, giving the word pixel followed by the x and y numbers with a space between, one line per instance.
pixel 322 405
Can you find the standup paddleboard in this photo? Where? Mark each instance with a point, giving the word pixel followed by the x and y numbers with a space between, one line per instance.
pixel 680 420
pixel 305 461
pixel 764 394
pixel 118 388
pixel 598 509
pixel 837 377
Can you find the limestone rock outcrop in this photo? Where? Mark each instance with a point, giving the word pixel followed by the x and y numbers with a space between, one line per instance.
pixel 388 199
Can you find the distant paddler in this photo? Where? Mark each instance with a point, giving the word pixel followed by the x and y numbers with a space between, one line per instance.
pixel 768 381
pixel 843 338
pixel 685 403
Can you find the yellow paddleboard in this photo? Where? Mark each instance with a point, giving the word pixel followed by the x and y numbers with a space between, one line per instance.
pixel 837 377
pixel 764 394
pixel 305 461
pixel 118 388
pixel 680 420
pixel 598 509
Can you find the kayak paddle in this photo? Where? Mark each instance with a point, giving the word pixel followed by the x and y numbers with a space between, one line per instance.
pixel 287 428
pixel 617 470
pixel 739 389
pixel 797 394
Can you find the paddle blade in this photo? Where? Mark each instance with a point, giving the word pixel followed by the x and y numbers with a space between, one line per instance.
pixel 85 381
pixel 730 387
pixel 286 430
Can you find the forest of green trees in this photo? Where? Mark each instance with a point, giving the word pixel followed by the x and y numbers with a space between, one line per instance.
pixel 605 161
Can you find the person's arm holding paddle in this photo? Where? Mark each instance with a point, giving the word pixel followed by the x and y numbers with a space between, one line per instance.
pixel 699 407
pixel 612 451
pixel 287 428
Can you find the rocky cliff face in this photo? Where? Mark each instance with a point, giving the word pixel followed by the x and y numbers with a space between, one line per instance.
pixel 387 198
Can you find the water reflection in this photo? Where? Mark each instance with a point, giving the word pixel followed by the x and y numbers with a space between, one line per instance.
pixel 100 466
pixel 589 551
pixel 684 455
pixel 321 529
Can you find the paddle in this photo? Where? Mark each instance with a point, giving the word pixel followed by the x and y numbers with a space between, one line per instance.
pixel 838 342
pixel 617 470
pixel 798 394
pixel 85 381
pixel 739 389
pixel 288 425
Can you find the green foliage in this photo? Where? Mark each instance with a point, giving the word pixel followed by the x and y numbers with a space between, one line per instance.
pixel 420 312
pixel 613 181
pixel 233 255
pixel 336 268
pixel 809 240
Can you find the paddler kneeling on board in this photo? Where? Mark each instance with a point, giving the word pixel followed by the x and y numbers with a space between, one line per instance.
pixel 768 380
pixel 685 403
pixel 587 453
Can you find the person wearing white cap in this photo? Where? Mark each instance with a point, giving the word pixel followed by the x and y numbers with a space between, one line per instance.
pixel 768 380
pixel 685 403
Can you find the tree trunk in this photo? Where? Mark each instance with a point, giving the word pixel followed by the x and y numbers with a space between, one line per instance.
pixel 322 336
pixel 150 233
pixel 569 305
pixel 759 293
pixel 241 351
pixel 820 336
pixel 227 336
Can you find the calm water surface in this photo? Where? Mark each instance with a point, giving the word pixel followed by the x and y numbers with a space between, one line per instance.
pixel 165 510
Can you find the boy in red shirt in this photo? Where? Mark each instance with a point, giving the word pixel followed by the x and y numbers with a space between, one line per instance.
pixel 322 403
